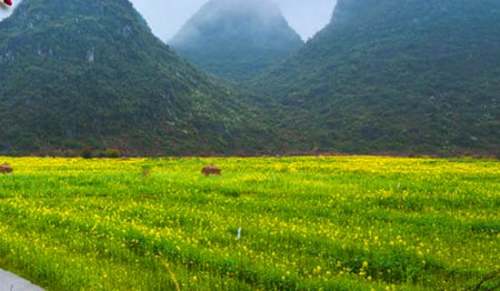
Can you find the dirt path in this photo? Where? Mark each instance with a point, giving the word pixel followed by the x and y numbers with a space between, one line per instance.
pixel 11 282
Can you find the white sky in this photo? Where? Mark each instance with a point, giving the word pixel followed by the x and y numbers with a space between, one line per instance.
pixel 167 16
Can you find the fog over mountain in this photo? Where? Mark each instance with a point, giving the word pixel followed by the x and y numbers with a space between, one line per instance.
pixel 167 17
pixel 236 39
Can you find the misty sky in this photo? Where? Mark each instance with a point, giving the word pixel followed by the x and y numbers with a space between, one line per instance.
pixel 167 16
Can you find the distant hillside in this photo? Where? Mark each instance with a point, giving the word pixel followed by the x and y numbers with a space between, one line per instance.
pixel 236 39
pixel 396 76
pixel 89 74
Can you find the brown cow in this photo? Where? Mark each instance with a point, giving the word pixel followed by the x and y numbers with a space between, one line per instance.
pixel 211 170
pixel 6 169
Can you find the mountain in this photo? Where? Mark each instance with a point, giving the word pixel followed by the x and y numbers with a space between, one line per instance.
pixel 396 76
pixel 236 39
pixel 82 74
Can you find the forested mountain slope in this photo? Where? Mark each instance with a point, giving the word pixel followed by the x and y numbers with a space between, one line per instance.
pixel 396 76
pixel 90 74
pixel 237 39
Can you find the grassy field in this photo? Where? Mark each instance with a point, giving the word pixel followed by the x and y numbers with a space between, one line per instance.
pixel 331 223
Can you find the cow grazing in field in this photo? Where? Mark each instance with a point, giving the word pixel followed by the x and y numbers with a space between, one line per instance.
pixel 211 170
pixel 6 169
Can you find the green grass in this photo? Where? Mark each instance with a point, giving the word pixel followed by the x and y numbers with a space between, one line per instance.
pixel 331 223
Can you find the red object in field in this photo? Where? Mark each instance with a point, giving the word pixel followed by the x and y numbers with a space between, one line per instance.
pixel 8 2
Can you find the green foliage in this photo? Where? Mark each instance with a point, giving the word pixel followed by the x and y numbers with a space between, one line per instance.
pixel 110 153
pixel 384 77
pixel 236 40
pixel 308 223
pixel 79 74
pixel 395 76
pixel 87 154
pixel 94 153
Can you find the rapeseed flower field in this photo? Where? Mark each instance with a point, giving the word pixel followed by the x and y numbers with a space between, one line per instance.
pixel 298 223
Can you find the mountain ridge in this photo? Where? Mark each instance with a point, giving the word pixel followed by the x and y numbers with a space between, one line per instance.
pixel 236 39
pixel 390 77
pixel 92 75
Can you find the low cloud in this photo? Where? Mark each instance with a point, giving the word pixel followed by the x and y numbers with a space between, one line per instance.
pixel 167 17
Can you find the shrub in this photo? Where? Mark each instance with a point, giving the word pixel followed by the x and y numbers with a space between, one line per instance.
pixel 87 154
pixel 110 153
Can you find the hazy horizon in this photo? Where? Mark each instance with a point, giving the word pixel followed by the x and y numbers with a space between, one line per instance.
pixel 167 17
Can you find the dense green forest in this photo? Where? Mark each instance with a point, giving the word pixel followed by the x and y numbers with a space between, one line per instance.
pixel 385 76
pixel 91 75
pixel 236 39
pixel 396 76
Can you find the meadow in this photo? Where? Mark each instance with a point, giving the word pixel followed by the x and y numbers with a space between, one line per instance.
pixel 306 223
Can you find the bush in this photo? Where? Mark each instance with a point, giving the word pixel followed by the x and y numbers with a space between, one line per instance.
pixel 87 154
pixel 111 153
pixel 108 153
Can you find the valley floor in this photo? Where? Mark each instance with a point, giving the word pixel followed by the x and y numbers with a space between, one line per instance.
pixel 332 223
